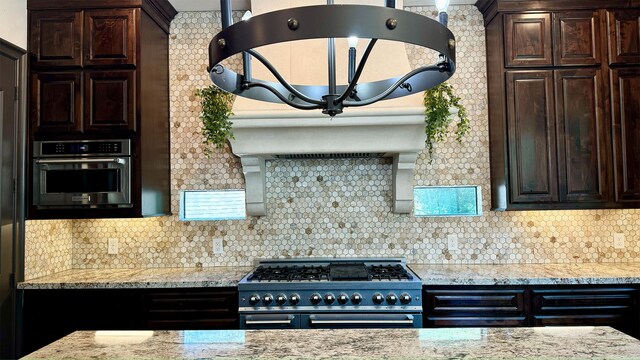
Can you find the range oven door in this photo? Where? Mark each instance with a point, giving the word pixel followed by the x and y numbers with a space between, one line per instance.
pixel 361 320
pixel 82 182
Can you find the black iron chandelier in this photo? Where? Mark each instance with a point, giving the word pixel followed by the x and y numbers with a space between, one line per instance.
pixel 331 21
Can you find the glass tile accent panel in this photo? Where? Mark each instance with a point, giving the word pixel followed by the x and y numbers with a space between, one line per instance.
pixel 213 205
pixel 447 201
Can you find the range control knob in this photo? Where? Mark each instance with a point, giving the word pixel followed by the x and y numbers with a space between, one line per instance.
pixel 315 299
pixel 329 298
pixel 294 299
pixel 356 298
pixel 392 298
pixel 343 299
pixel 377 298
pixel 254 299
pixel 281 299
pixel 267 299
pixel 405 298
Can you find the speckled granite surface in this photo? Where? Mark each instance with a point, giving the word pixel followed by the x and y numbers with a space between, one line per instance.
pixel 139 278
pixel 522 274
pixel 469 343
pixel 529 274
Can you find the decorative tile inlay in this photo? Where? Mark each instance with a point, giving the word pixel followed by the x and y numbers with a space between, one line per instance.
pixel 329 208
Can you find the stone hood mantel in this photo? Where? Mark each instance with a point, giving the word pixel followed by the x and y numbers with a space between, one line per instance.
pixel 396 133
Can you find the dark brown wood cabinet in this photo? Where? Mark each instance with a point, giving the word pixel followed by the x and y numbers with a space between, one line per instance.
pixel 563 103
pixel 100 70
pixel 536 305
pixel 52 314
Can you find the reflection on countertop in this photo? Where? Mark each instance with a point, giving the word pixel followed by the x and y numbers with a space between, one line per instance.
pixel 476 343
pixel 431 274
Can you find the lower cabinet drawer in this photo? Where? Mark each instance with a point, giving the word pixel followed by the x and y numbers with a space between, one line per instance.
pixel 474 321
pixel 474 307
pixel 580 300
pixel 581 320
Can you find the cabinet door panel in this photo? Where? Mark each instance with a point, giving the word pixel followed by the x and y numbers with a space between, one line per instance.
pixel 625 103
pixel 624 36
pixel 582 135
pixel 56 38
pixel 109 100
pixel 532 137
pixel 528 40
pixel 577 38
pixel 110 37
pixel 56 102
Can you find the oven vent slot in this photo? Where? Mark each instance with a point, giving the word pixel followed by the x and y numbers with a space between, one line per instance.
pixel 329 156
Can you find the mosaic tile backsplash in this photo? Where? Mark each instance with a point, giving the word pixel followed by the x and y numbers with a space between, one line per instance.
pixel 331 208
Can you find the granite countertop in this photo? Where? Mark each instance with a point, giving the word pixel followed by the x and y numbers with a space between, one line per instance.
pixel 476 343
pixel 514 274
pixel 139 278
pixel 529 274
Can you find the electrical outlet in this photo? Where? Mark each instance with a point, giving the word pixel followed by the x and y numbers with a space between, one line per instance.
pixel 452 242
pixel 618 241
pixel 218 247
pixel 112 246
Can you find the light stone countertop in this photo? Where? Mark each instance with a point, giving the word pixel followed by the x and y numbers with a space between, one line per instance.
pixel 520 274
pixel 458 343
pixel 139 278
pixel 529 274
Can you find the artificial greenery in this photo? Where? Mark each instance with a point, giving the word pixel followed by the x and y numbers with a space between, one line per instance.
pixel 216 109
pixel 437 104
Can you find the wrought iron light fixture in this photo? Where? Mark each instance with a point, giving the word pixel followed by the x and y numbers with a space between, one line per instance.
pixel 331 21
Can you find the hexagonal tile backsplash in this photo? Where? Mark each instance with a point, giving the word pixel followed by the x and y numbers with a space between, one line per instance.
pixel 329 208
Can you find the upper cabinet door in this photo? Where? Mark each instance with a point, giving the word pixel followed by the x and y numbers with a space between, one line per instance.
pixel 625 103
pixel 56 102
pixel 624 36
pixel 531 137
pixel 582 136
pixel 56 38
pixel 110 37
pixel 528 40
pixel 576 38
pixel 109 100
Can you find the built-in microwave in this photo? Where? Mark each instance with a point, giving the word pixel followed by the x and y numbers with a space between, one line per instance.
pixel 82 174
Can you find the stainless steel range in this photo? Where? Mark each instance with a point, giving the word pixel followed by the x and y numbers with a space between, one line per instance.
pixel 330 293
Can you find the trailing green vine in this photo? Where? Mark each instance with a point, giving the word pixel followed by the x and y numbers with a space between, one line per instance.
pixel 216 110
pixel 437 103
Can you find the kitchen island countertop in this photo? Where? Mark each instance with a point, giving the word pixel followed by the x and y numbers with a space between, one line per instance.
pixel 431 274
pixel 476 343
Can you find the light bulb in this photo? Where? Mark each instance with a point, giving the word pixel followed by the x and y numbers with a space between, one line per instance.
pixel 352 41
pixel 442 5
pixel 247 15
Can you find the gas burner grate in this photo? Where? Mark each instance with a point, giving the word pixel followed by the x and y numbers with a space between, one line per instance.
pixel 290 273
pixel 389 272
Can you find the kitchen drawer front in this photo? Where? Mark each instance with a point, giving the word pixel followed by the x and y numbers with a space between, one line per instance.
pixel 193 309
pixel 588 301
pixel 475 307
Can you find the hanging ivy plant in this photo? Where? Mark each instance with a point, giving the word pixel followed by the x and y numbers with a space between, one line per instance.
pixel 216 110
pixel 438 102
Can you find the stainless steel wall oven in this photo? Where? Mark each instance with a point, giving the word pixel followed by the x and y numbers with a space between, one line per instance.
pixel 82 174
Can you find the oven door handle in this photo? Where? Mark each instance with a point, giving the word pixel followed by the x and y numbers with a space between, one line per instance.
pixel 255 320
pixel 320 320
pixel 80 161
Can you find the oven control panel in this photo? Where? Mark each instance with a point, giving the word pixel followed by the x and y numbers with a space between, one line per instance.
pixel 330 299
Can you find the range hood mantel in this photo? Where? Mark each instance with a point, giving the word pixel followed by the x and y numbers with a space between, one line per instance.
pixel 395 132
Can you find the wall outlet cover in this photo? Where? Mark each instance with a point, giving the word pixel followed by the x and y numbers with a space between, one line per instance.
pixel 112 246
pixel 218 247
pixel 618 241
pixel 452 242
